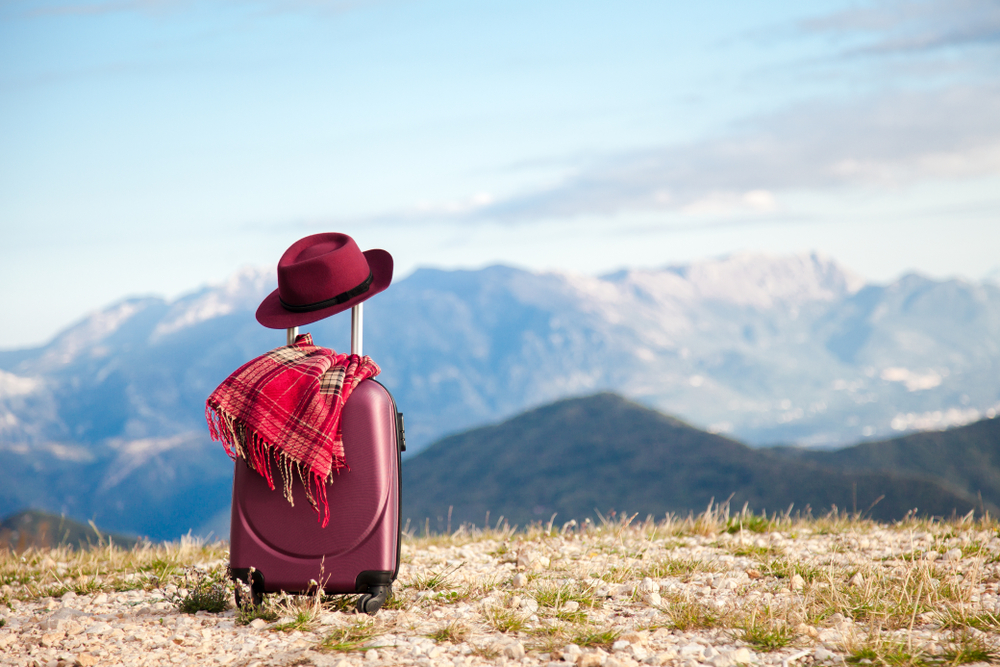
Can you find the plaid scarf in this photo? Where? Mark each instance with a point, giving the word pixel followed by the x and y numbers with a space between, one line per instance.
pixel 287 405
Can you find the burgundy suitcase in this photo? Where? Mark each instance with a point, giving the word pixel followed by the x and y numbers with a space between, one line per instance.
pixel 277 547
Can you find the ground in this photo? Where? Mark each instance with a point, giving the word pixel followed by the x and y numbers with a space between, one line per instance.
pixel 716 590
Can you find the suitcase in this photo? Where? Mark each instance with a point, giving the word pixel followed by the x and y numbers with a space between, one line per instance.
pixel 275 546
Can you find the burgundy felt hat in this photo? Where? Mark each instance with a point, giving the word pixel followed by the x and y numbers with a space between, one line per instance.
pixel 322 275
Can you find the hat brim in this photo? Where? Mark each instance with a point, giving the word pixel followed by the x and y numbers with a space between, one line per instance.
pixel 273 315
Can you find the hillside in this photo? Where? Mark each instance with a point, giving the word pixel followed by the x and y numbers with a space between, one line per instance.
pixel 38 530
pixel 606 453
pixel 966 459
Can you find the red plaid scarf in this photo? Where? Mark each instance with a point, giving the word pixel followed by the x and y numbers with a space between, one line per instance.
pixel 287 404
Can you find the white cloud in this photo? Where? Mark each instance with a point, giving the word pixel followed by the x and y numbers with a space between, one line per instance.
pixel 907 26
pixel 914 381
pixel 882 141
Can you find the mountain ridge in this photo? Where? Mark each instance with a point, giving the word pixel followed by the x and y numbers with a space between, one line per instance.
pixel 604 453
pixel 796 354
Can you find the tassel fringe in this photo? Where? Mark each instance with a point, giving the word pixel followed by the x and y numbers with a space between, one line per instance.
pixel 244 442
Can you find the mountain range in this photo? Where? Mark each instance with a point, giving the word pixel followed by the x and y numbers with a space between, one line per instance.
pixel 606 454
pixel 105 421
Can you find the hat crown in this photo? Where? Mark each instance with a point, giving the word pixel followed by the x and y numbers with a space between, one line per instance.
pixel 320 267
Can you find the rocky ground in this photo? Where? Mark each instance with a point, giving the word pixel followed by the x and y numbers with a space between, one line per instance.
pixel 715 590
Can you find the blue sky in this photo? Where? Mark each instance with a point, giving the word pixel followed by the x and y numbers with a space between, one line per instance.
pixel 152 146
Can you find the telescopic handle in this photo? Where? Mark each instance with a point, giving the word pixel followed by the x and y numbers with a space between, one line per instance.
pixel 357 326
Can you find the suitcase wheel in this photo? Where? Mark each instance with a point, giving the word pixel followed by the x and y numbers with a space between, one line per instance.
pixel 372 601
pixel 248 596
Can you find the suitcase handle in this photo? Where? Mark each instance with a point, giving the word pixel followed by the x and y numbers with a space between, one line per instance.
pixel 357 325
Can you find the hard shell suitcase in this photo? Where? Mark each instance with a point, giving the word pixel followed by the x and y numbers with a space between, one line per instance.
pixel 275 546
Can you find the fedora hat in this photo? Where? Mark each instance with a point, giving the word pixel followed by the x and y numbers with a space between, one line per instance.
pixel 322 275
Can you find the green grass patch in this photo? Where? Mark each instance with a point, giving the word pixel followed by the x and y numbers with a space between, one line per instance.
pixel 455 632
pixel 687 614
pixel 302 621
pixel 351 638
pixel 505 620
pixel 595 638
pixel 210 593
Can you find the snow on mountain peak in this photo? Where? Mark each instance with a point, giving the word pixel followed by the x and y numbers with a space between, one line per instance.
pixel 243 289
pixel 749 279
pixel 92 330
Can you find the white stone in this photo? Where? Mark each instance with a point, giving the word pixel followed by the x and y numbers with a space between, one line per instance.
pixel 571 652
pixel 953 554
pixel 653 599
pixel 647 585
pixel 743 656
pixel 691 650
pixel 98 628
pixel 721 660
pixel 798 583
pixel 520 580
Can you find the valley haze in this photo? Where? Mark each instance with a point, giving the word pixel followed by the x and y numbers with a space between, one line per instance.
pixel 763 349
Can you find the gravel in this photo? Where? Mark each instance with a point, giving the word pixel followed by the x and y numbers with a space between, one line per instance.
pixel 451 620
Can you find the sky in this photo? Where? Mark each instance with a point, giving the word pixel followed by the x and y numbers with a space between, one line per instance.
pixel 155 146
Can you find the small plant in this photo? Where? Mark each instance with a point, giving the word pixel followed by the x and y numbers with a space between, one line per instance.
pixel 503 619
pixel 751 551
pixel 397 601
pixel 682 568
pixel 248 613
pixel 352 638
pixel 781 568
pixel 750 522
pixel 450 597
pixel 686 614
pixel 302 622
pixel 557 596
pixel 209 593
pixel 954 619
pixel 434 581
pixel 454 632
pixel 764 632
pixel 618 575
pixel 966 648
pixel 596 638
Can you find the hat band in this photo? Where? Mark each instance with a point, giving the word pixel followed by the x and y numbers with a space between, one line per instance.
pixel 333 301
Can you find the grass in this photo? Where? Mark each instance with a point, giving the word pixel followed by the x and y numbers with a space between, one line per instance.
pixel 682 568
pixel 966 648
pixel 454 632
pixel 211 593
pixel 764 631
pixel 555 597
pixel 504 619
pixel 688 614
pixel 352 638
pixel 432 581
pixel 595 638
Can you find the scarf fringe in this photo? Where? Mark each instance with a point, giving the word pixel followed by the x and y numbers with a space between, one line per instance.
pixel 241 441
